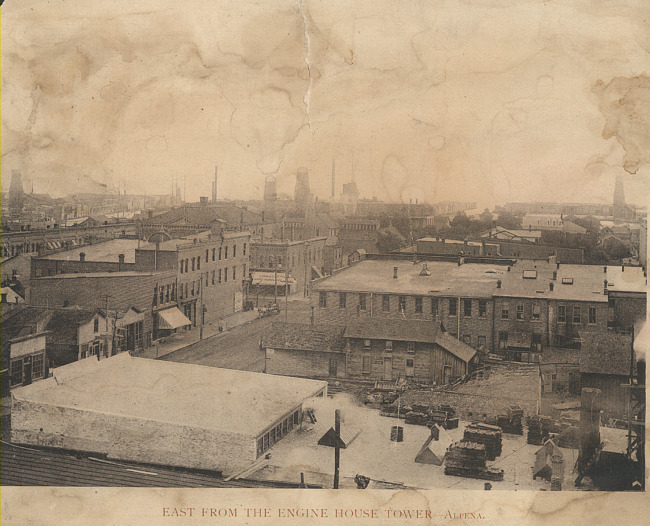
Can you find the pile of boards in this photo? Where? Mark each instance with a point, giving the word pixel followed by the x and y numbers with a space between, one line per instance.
pixel 510 423
pixel 423 415
pixel 467 459
pixel 540 429
pixel 487 435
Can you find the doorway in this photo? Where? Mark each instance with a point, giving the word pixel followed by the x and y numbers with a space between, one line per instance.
pixel 388 368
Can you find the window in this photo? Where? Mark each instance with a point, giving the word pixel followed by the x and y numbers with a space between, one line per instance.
pixel 193 263
pixel 244 250
pixel 453 306
pixel 322 299
pixel 225 252
pixel 214 251
pixel 410 347
pixel 186 289
pixel 536 311
pixel 366 364
pixel 173 291
pixel 17 372
pixel 366 344
pixel 162 295
pixel 244 271
pixel 505 313
pixel 225 275
pixel 192 291
pixel 503 339
pixel 37 366
pixel 362 301
pixel 198 263
pixel 234 251
pixel 207 253
pixel 182 266
pixel 467 308
pixel 520 312
pixel 167 294
pixel 537 342
pixel 482 308
pixel 96 325
pixel 418 305
pixel 219 280
pixel 410 370
pixel 207 278
pixel 234 273
pixel 213 273
pixel 434 307
pixel 592 315
pixel 576 315
pixel 389 345
pixel 561 314
pixel 342 298
pixel 467 339
pixel 181 294
pixel 385 303
pixel 219 253
pixel 481 341
pixel 402 304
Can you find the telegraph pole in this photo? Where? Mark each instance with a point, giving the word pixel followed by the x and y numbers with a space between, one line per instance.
pixel 337 446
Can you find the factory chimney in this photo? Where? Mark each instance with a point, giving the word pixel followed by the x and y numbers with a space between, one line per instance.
pixel 214 186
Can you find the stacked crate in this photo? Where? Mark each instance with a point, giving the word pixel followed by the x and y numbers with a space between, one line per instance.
pixel 467 459
pixel 485 434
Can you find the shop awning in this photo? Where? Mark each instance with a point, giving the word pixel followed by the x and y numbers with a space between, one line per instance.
pixel 269 278
pixel 172 319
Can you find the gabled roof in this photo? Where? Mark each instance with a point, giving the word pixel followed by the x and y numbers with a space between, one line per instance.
pixel 455 346
pixel 608 353
pixel 204 216
pixel 65 322
pixel 326 338
pixel 396 330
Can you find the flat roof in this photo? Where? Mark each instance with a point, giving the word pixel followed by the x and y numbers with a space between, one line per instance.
pixel 629 280
pixel 105 251
pixel 446 278
pixel 122 274
pixel 572 283
pixel 222 400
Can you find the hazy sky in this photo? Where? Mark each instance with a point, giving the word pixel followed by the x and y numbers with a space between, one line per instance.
pixel 491 100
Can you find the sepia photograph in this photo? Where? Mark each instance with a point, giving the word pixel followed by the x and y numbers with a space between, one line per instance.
pixel 396 249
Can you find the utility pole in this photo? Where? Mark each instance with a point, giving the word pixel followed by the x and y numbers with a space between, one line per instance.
pixel 286 285
pixel 337 446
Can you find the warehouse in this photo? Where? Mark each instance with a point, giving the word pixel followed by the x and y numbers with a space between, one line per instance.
pixel 161 412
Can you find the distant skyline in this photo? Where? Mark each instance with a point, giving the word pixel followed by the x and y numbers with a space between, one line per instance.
pixel 431 101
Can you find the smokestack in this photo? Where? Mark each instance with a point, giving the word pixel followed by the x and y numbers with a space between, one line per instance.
pixel 550 286
pixel 214 185
pixel 333 178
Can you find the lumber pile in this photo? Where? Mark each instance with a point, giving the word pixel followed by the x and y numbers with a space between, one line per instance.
pixel 489 436
pixel 540 429
pixel 424 415
pixel 467 459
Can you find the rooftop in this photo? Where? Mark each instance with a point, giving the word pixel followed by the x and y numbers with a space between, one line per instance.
pixel 447 278
pixel 397 330
pixel 123 274
pixel 168 392
pixel 106 251
pixel 629 280
pixel 605 353
pixel 532 279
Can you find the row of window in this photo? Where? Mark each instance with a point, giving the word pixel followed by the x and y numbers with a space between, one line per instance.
pixel 312 256
pixel 410 346
pixel 265 442
pixel 366 365
pixel 217 254
pixel 466 305
pixel 94 348
pixel 192 288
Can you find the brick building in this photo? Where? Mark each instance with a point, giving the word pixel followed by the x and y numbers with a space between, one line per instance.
pixel 296 263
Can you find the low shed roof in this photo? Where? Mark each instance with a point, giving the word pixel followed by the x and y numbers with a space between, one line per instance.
pixel 222 400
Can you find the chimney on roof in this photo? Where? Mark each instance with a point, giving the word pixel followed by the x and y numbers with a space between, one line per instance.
pixel 605 270
pixel 557 265
pixel 394 272
pixel 622 268
pixel 550 286
pixel 509 267
pixel 204 201
pixel 461 260
pixel 120 262
pixel 555 274
pixel 605 287
pixel 498 284
pixel 82 256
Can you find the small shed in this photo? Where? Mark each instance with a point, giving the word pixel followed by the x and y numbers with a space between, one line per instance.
pixel 347 437
pixel 434 448
pixel 543 468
